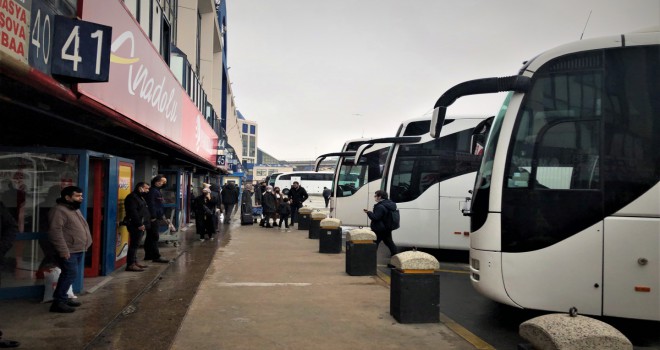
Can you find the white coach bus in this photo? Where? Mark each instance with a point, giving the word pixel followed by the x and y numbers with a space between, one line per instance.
pixel 565 210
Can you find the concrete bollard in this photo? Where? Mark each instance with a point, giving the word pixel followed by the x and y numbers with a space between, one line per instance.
pixel 304 216
pixel 415 288
pixel 566 332
pixel 330 236
pixel 315 224
pixel 361 252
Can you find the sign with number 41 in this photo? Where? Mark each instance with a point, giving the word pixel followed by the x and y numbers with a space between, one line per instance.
pixel 81 50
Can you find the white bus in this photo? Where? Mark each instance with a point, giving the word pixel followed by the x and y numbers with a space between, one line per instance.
pixel 428 180
pixel 565 210
pixel 354 184
pixel 312 181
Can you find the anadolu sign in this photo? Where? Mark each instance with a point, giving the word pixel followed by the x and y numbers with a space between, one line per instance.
pixel 141 85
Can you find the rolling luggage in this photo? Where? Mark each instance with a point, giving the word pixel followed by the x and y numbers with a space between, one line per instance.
pixel 246 215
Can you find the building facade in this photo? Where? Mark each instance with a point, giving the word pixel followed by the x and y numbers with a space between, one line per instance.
pixel 102 94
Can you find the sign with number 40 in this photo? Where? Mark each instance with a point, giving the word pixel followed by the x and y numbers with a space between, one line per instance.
pixel 81 49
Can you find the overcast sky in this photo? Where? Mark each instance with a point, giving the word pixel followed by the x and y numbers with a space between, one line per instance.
pixel 315 73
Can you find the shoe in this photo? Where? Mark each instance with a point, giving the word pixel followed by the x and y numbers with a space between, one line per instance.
pixel 201 239
pixel 9 344
pixel 73 303
pixel 212 238
pixel 161 260
pixel 61 307
pixel 134 268
pixel 141 266
pixel 287 230
pixel 268 226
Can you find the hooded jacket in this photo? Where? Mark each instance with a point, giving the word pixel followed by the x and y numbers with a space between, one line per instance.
pixel 381 210
pixel 68 230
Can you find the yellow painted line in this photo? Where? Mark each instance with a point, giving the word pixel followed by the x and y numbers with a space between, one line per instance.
pixel 470 337
pixel 477 342
pixel 455 271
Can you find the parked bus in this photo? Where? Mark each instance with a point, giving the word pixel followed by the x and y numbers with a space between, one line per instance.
pixel 270 179
pixel 565 210
pixel 312 181
pixel 353 184
pixel 428 179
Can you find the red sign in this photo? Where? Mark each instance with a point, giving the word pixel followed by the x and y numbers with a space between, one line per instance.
pixel 141 85
pixel 14 29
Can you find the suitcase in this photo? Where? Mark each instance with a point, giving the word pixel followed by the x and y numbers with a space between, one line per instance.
pixel 246 215
pixel 246 219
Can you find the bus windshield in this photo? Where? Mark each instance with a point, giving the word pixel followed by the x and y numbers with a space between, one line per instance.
pixel 351 177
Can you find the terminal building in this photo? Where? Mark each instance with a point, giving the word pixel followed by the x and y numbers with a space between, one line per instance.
pixel 102 94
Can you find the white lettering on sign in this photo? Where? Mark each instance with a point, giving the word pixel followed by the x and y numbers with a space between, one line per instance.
pixel 13 26
pixel 144 84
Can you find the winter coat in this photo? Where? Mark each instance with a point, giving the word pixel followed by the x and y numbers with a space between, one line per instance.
pixel 68 230
pixel 229 194
pixel 156 202
pixel 298 195
pixel 137 211
pixel 204 206
pixel 268 203
pixel 284 209
pixel 381 210
pixel 8 231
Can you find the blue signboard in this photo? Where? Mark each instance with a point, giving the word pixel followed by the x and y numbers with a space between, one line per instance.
pixel 81 50
pixel 41 36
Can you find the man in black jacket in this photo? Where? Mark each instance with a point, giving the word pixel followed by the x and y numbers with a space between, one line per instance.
pixel 381 211
pixel 156 202
pixel 137 221
pixel 298 195
pixel 229 196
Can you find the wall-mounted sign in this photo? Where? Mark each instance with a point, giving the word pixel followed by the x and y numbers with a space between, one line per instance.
pixel 221 160
pixel 81 49
pixel 42 19
pixel 15 28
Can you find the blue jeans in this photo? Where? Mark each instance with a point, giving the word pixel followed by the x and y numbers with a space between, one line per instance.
pixel 67 277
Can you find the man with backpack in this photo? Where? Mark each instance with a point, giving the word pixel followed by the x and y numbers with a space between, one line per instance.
pixel 384 219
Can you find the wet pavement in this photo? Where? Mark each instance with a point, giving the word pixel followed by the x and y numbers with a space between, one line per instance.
pixel 167 305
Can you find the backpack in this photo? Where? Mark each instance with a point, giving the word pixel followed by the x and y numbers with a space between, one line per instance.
pixel 393 220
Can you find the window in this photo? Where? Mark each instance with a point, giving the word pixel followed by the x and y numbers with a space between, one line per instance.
pixel 253 146
pixel 245 128
pixel 253 129
pixel 284 177
pixel 417 167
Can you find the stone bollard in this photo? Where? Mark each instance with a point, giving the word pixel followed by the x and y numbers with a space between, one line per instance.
pixel 330 236
pixel 315 224
pixel 361 252
pixel 566 332
pixel 304 216
pixel 415 288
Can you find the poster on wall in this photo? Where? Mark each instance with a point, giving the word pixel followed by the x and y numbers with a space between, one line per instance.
pixel 125 186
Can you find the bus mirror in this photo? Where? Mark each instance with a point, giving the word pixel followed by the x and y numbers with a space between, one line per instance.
pixel 360 151
pixel 437 121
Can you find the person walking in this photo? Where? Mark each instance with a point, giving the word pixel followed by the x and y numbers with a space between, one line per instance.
pixel 268 202
pixel 284 209
pixel 298 196
pixel 70 235
pixel 326 195
pixel 155 203
pixel 380 213
pixel 215 195
pixel 229 196
pixel 137 220
pixel 205 215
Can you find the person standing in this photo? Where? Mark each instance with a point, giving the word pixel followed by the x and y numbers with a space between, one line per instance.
pixel 269 204
pixel 70 235
pixel 326 195
pixel 138 221
pixel 381 211
pixel 155 203
pixel 215 196
pixel 284 209
pixel 259 192
pixel 298 195
pixel 205 214
pixel 229 196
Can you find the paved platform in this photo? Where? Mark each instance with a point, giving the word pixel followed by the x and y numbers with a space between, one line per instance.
pixel 252 288
pixel 269 289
